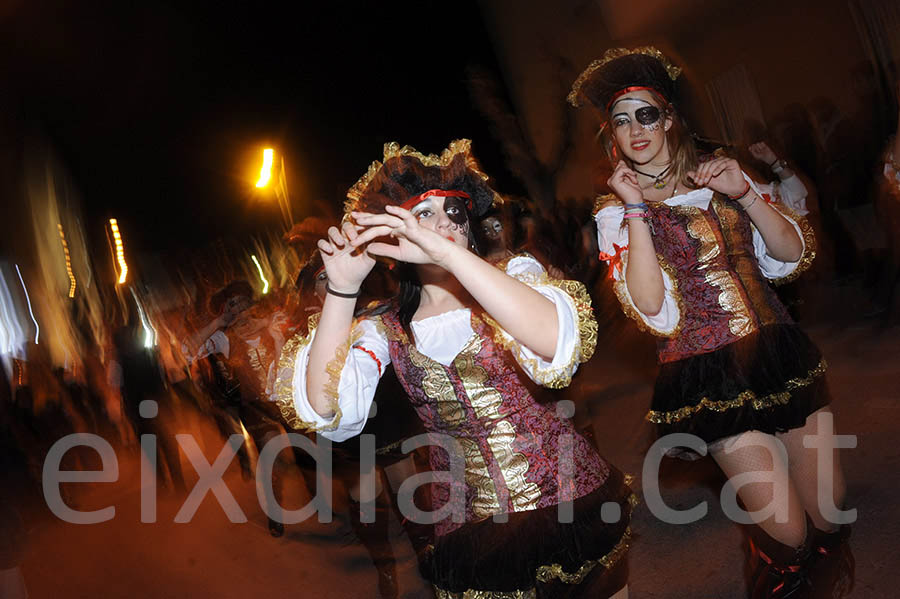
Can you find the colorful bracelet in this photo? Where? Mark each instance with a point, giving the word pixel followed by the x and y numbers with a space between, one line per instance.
pixel 644 216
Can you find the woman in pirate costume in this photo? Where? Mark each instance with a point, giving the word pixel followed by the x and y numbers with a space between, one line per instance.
pixel 525 493
pixel 691 247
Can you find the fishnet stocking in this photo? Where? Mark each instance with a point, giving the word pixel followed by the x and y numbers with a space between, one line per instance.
pixel 754 451
pixel 804 471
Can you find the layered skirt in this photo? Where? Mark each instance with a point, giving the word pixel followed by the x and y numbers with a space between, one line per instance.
pixel 535 554
pixel 769 381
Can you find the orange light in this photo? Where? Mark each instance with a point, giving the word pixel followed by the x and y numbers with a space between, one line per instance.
pixel 265 173
pixel 120 250
pixel 62 237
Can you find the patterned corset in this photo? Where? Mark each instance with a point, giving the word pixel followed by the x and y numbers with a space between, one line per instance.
pixel 723 294
pixel 512 446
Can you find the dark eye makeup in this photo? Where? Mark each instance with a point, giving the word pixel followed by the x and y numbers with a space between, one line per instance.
pixel 647 115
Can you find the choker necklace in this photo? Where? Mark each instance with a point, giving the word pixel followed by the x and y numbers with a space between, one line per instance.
pixel 659 181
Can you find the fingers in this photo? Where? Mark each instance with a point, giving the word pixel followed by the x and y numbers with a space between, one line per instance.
pixel 623 173
pixel 368 220
pixel 349 231
pixel 406 216
pixel 336 238
pixel 400 212
pixel 622 169
pixel 372 233
pixel 717 169
pixel 326 247
pixel 386 250
pixel 709 170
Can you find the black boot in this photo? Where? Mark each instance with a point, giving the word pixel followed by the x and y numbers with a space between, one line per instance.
pixel 276 529
pixel 833 571
pixel 782 572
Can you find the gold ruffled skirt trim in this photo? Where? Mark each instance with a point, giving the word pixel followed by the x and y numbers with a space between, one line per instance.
pixel 473 594
pixel 747 397
pixel 549 573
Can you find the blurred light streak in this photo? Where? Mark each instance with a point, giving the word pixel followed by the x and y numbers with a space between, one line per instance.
pixel 37 327
pixel 265 173
pixel 65 245
pixel 149 331
pixel 120 250
pixel 259 269
pixel 12 339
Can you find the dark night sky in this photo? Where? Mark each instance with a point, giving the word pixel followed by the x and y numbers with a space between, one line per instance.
pixel 160 111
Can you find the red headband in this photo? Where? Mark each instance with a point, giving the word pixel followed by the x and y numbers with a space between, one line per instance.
pixel 443 193
pixel 635 88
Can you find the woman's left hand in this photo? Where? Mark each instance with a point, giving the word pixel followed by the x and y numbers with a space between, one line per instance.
pixel 417 245
pixel 723 175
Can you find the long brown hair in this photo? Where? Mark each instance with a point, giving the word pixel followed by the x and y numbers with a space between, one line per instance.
pixel 682 149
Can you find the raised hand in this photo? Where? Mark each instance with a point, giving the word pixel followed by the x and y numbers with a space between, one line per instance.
pixel 723 175
pixel 416 244
pixel 624 183
pixel 347 265
pixel 762 152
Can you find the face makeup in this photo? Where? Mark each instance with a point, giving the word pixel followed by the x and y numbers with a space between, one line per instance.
pixel 455 210
pixel 646 114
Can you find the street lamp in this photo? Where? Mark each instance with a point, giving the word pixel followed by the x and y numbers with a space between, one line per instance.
pixel 281 188
pixel 265 173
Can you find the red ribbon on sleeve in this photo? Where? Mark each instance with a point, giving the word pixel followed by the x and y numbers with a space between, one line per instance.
pixel 372 355
pixel 615 260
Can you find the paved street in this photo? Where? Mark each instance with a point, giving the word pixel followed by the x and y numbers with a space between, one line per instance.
pixel 212 557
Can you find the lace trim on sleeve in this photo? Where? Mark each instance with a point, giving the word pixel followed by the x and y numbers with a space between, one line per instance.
pixel 809 244
pixel 585 345
pixel 283 394
pixel 620 286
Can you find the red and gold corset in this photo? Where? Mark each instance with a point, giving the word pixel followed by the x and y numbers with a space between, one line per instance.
pixel 512 445
pixel 724 296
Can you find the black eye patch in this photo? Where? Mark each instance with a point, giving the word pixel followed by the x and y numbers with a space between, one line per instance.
pixel 460 218
pixel 647 115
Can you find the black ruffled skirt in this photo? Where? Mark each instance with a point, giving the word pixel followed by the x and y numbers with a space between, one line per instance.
pixel 534 550
pixel 768 381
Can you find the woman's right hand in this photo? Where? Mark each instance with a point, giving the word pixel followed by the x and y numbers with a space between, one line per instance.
pixel 624 183
pixel 346 265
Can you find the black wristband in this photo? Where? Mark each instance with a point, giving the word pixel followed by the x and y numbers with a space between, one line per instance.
pixel 328 289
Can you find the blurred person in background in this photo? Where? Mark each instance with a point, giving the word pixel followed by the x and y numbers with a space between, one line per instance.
pixel 140 379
